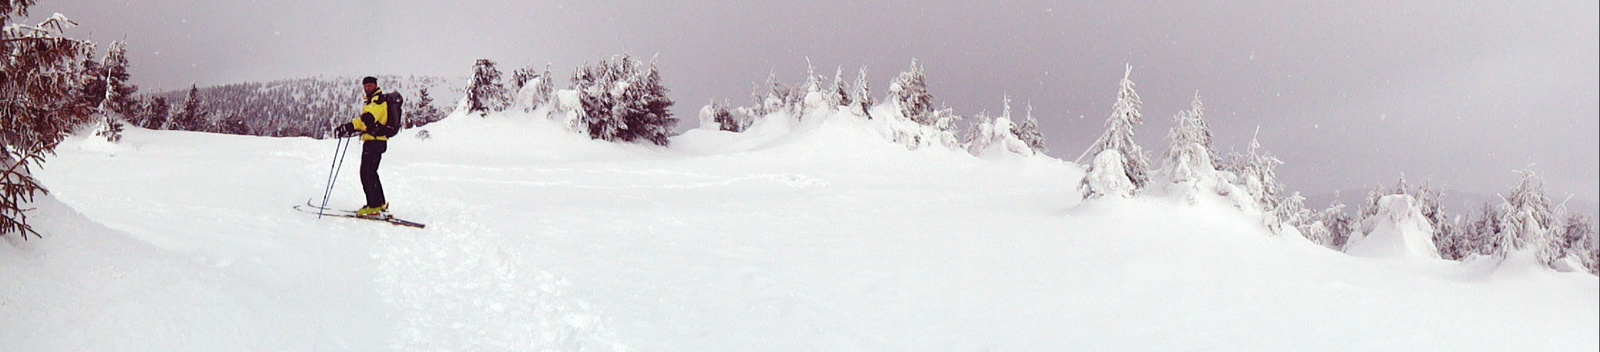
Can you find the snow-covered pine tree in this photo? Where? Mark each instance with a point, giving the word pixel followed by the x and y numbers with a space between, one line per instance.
pixel 623 100
pixel 1292 211
pixel 1526 218
pixel 1577 240
pixel 595 96
pixel 1187 157
pixel 1338 223
pixel 837 94
pixel 93 88
pixel 1197 116
pixel 1483 234
pixel 980 133
pixel 119 94
pixel 1447 234
pixel 910 91
pixel 862 95
pixel 989 134
pixel 1106 178
pixel 777 95
pixel 1452 241
pixel 1370 207
pixel 117 102
pixel 758 98
pixel 649 113
pixel 544 89
pixel 422 112
pixel 485 93
pixel 1028 132
pixel 731 120
pixel 40 74
pixel 156 113
pixel 233 125
pixel 111 128
pixel 811 87
pixel 192 115
pixel 522 78
pixel 530 88
pixel 1119 137
pixel 1255 174
pixel 716 117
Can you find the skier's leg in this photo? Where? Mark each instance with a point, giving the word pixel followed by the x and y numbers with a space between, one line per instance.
pixel 371 156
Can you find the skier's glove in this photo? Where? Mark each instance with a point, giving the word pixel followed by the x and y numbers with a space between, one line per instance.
pixel 346 130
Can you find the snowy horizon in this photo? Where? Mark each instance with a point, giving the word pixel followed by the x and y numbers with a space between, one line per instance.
pixel 1350 96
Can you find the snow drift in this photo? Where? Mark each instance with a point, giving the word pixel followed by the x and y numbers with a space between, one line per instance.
pixel 1400 231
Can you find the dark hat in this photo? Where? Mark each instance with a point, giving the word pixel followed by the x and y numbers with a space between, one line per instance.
pixel 369 79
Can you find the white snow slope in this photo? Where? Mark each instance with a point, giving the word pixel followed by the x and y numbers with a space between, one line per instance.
pixel 819 237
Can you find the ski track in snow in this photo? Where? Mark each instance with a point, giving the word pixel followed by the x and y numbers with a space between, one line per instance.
pixel 542 240
pixel 460 288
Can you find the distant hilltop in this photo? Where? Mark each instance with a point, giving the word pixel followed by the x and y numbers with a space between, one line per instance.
pixel 306 107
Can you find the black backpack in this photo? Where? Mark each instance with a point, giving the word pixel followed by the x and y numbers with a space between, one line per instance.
pixel 396 113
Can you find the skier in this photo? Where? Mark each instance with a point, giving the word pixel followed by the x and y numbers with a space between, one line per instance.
pixel 374 128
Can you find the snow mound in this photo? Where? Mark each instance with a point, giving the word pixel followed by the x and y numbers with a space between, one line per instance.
pixel 1401 231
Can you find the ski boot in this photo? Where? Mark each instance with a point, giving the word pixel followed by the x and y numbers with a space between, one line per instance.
pixel 377 212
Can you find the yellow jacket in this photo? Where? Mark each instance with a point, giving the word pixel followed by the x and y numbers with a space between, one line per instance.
pixel 378 110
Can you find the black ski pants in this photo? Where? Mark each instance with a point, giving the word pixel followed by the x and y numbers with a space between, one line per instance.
pixel 371 155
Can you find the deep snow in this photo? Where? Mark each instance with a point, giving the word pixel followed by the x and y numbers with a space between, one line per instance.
pixel 792 236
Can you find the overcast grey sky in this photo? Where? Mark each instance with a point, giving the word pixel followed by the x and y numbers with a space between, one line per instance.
pixel 1347 94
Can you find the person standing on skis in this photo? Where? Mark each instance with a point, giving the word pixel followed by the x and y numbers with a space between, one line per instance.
pixel 375 129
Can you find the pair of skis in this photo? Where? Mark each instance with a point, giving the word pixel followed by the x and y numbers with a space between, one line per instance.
pixel 319 210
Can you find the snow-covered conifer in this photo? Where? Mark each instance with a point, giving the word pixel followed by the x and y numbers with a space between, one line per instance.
pixel 980 133
pixel 1189 156
pixel 837 94
pixel 157 113
pixel 649 111
pixel 520 77
pixel 1028 132
pixel 119 93
pixel 39 81
pixel 1577 240
pixel 422 112
pixel 1526 218
pixel 1309 223
pixel 862 95
pixel 1338 224
pixel 116 103
pixel 485 93
pixel 531 87
pixel 717 117
pixel 1119 137
pixel 1255 174
pixel 623 100
pixel 1451 239
pixel 990 135
pixel 192 115
pixel 232 126
pixel 812 86
pixel 777 96
pixel 1106 178
pixel 545 88
pixel 1483 235
pixel 910 90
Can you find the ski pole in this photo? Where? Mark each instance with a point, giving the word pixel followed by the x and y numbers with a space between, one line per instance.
pixel 340 150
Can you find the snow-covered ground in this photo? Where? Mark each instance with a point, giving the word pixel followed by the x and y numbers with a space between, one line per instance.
pixel 816 237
